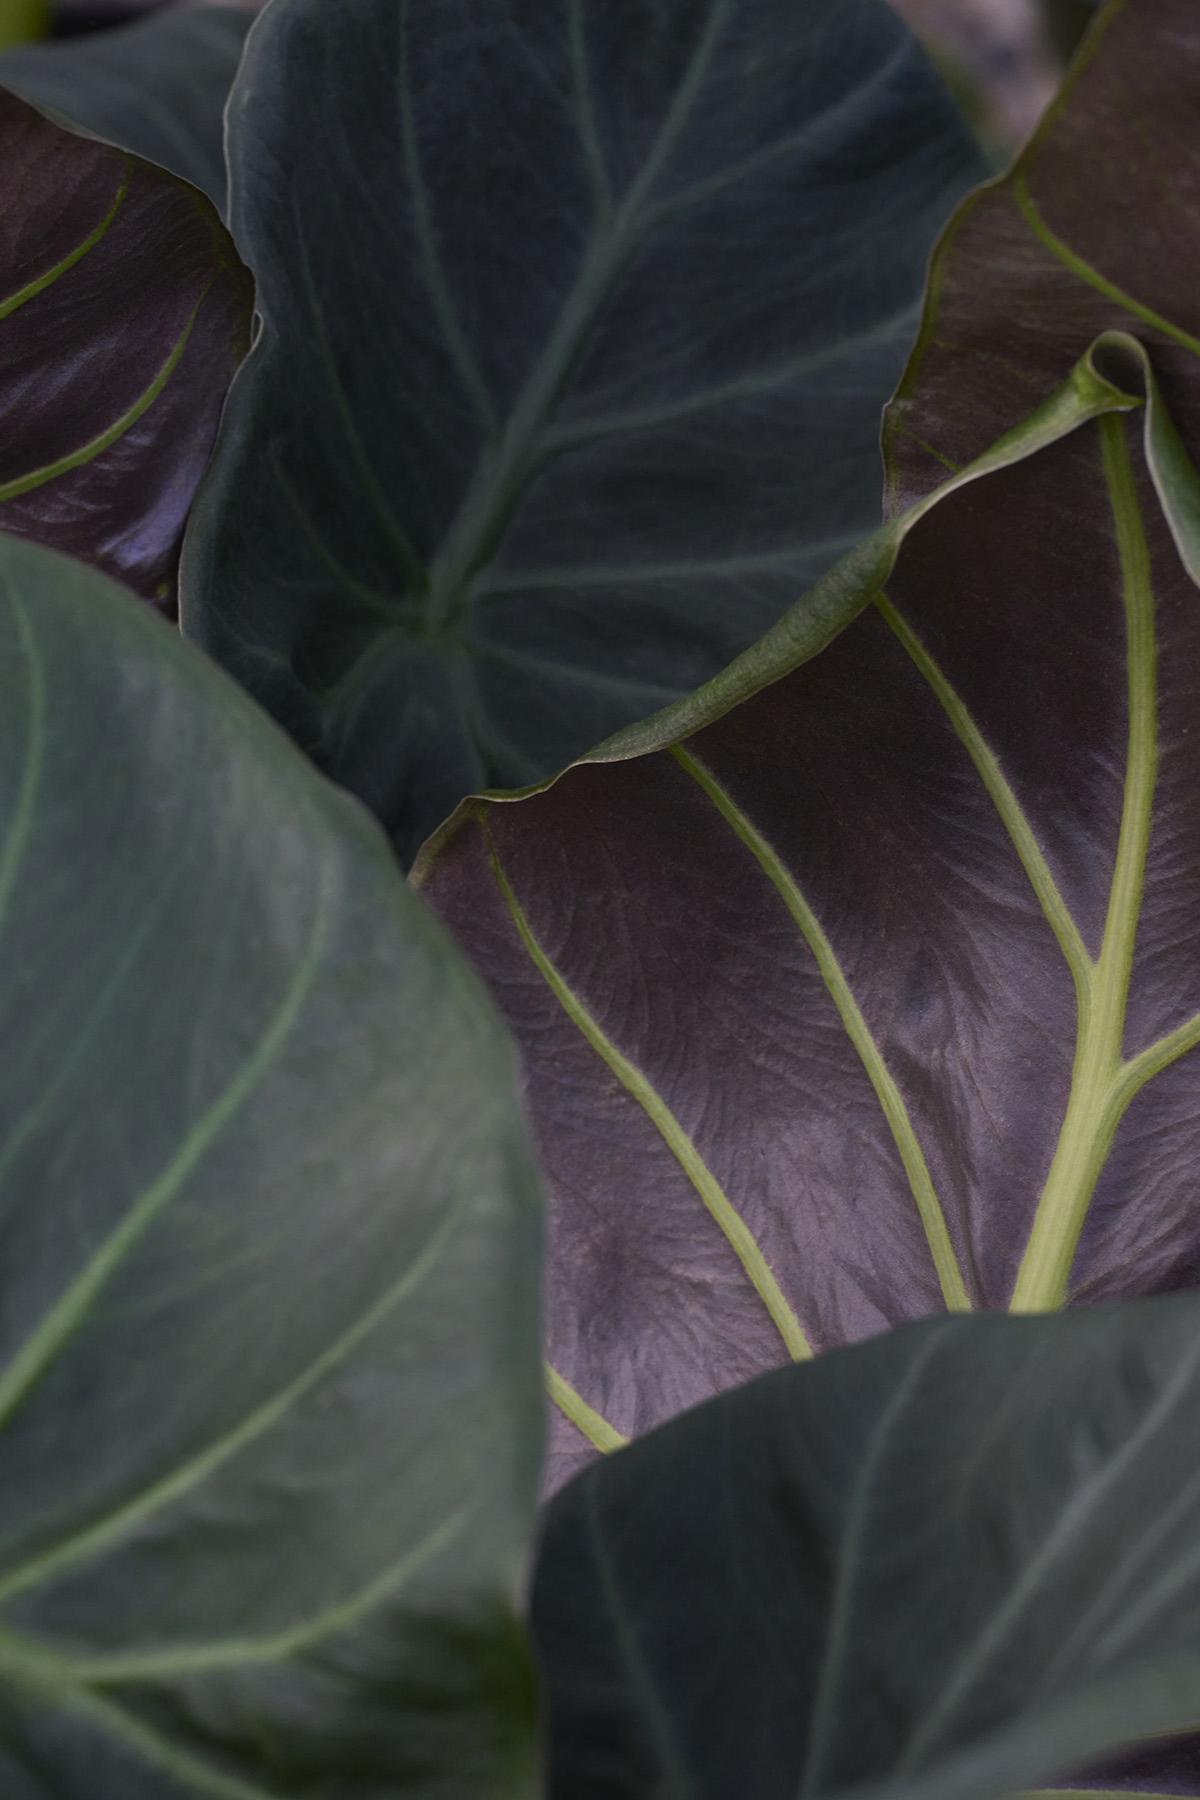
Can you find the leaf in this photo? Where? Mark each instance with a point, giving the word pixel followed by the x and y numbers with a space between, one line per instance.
pixel 157 87
pixel 571 362
pixel 801 995
pixel 269 1381
pixel 941 1564
pixel 123 314
pixel 801 989
pixel 1060 241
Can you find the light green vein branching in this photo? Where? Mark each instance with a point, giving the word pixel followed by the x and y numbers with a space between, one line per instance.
pixel 1072 260
pixel 165 1662
pixel 720 1208
pixel 191 1474
pixel 888 1094
pixel 47 279
pixel 1003 799
pixel 1102 1085
pixel 593 1425
pixel 35 478
pixel 68 1313
pixel 20 820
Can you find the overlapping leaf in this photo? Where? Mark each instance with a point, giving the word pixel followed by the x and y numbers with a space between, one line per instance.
pixel 877 994
pixel 945 1563
pixel 157 87
pixel 577 324
pixel 123 314
pixel 270 1395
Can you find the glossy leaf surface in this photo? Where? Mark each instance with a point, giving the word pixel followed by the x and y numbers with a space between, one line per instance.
pixel 123 314
pixel 946 1563
pixel 270 1407
pixel 572 361
pixel 157 87
pixel 878 994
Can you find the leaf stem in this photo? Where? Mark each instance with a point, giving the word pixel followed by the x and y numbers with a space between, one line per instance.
pixel 1100 1084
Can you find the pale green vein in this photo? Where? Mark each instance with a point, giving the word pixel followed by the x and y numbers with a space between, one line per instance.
pixel 589 137
pixel 593 1425
pixel 1007 805
pixel 720 1208
pixel 815 136
pixel 50 276
pixel 69 1312
pixel 83 1032
pixel 185 1479
pixel 413 569
pixel 793 557
pixel 20 822
pixel 177 1763
pixel 1100 1082
pixel 436 284
pixel 170 1661
pixel 652 1714
pixel 887 1093
pixel 23 484
pixel 901 430
pixel 387 607
pixel 1156 1057
pixel 849 1566
pixel 1084 270
pixel 764 382
pixel 1060 1543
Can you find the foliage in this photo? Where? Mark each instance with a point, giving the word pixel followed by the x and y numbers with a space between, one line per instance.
pixel 856 984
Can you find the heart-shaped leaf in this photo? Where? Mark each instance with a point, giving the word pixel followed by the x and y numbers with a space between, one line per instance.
pixel 876 994
pixel 270 1406
pixel 123 314
pixel 955 1559
pixel 157 87
pixel 572 360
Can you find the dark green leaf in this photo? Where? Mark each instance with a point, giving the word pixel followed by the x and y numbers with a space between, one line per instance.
pixel 578 318
pixel 157 87
pixel 269 1374
pixel 933 1567
pixel 123 314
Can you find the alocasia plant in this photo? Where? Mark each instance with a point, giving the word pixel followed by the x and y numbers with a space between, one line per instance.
pixel 269 1378
pixel 858 985
pixel 595 309
pixel 123 314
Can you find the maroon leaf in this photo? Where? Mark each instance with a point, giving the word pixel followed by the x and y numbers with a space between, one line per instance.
pixel 123 314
